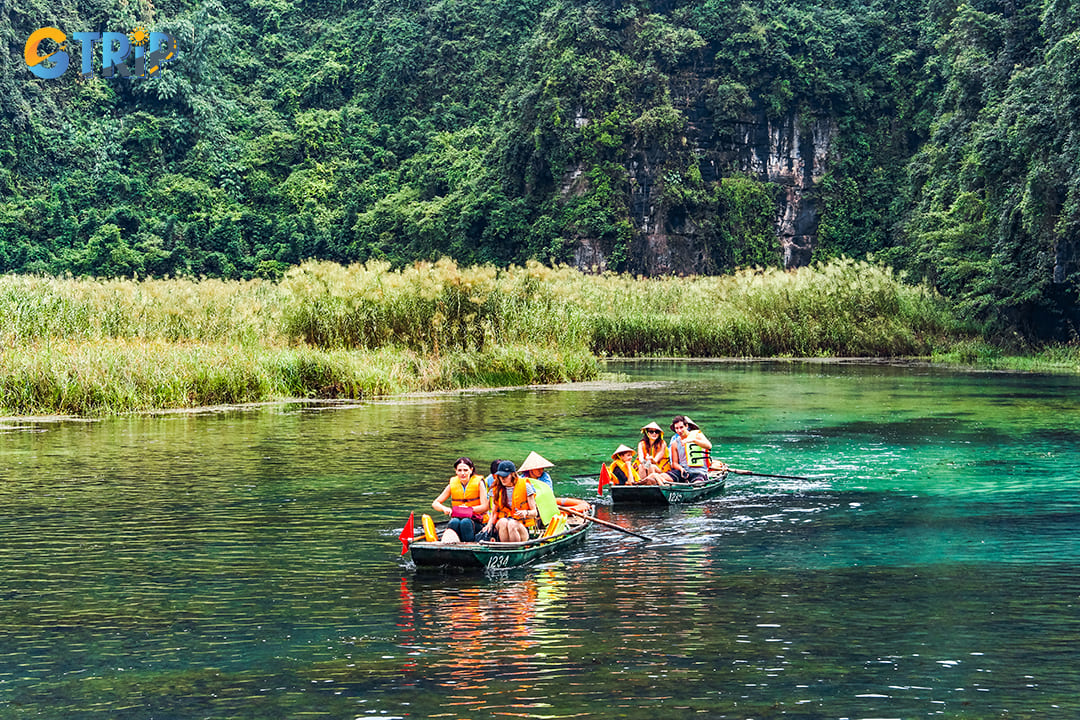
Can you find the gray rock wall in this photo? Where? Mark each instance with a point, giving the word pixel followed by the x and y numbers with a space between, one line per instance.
pixel 793 153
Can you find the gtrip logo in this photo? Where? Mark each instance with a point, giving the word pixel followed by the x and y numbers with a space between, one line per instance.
pixel 137 54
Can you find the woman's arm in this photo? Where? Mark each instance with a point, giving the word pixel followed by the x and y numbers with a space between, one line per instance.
pixel 483 506
pixel 438 505
pixel 532 511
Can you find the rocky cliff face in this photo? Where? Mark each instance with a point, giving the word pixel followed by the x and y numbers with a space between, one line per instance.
pixel 792 153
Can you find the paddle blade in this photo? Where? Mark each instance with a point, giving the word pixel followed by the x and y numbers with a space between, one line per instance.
pixel 406 535
pixel 605 479
pixel 545 502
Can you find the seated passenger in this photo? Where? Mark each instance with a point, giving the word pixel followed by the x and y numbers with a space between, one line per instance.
pixel 468 508
pixel 652 452
pixel 622 467
pixel 489 481
pixel 535 468
pixel 513 508
pixel 689 452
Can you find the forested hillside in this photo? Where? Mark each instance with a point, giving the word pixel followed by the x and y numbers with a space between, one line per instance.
pixel 650 137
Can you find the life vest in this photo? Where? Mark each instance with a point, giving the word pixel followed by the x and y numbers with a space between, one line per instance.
pixel 467 494
pixel 661 458
pixel 519 500
pixel 629 474
pixel 688 455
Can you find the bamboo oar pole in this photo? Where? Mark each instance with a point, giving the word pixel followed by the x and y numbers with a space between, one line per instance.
pixel 761 474
pixel 605 523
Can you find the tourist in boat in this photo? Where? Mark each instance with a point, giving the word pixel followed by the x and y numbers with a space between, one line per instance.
pixel 468 508
pixel 652 451
pixel 622 467
pixel 535 468
pixel 513 515
pixel 490 480
pixel 689 452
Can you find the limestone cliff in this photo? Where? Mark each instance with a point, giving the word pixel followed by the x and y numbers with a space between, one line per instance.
pixel 792 153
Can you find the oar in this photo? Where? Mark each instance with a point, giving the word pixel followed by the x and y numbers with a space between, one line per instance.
pixel 761 474
pixel 605 523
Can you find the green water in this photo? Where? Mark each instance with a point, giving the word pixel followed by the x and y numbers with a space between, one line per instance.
pixel 245 564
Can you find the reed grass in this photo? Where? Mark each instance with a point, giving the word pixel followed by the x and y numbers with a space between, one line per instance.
pixel 107 377
pixel 1062 358
pixel 207 310
pixel 76 346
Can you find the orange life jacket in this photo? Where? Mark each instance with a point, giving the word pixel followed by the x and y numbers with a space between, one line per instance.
pixel 660 457
pixel 628 471
pixel 519 500
pixel 468 494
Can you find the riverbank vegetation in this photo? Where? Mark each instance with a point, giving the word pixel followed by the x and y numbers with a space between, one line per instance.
pixel 940 137
pixel 83 346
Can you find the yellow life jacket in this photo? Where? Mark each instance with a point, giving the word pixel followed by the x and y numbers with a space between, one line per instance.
pixel 628 471
pixel 661 457
pixel 468 494
pixel 695 455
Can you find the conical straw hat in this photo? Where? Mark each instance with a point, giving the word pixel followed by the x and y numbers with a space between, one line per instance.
pixel 619 451
pixel 533 462
pixel 652 426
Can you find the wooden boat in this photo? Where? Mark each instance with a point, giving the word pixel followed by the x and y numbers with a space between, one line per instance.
pixel 496 555
pixel 669 494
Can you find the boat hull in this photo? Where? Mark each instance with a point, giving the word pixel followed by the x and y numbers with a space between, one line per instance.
pixel 496 555
pixel 671 494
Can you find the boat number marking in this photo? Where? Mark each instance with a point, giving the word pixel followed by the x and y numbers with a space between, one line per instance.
pixel 675 497
pixel 498 561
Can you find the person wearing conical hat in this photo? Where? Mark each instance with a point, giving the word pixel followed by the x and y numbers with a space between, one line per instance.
pixel 622 466
pixel 652 451
pixel 535 468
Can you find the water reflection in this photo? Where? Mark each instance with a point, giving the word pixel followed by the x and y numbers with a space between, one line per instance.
pixel 245 564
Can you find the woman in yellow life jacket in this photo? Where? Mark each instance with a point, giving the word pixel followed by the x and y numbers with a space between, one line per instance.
pixel 652 451
pixel 468 508
pixel 622 466
pixel 513 505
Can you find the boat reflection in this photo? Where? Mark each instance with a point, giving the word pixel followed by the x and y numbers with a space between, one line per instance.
pixel 469 631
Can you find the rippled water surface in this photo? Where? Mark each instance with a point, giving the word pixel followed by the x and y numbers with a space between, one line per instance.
pixel 245 564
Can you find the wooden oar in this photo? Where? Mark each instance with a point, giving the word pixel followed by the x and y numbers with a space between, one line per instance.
pixel 605 523
pixel 761 474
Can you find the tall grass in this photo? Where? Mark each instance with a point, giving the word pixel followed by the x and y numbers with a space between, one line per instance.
pixel 107 346
pixel 432 307
pixel 841 308
pixel 103 377
pixel 175 310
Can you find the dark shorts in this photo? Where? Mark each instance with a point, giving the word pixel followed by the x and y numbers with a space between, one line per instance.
pixel 688 475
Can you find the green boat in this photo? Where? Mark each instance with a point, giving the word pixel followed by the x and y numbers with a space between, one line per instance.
pixel 497 555
pixel 670 494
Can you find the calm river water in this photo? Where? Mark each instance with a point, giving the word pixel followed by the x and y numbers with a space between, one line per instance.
pixel 245 564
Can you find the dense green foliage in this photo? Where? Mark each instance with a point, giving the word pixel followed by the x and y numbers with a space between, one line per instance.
pixel 496 131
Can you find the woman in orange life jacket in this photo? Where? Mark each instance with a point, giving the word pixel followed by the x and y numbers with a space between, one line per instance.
pixel 466 491
pixel 652 451
pixel 513 506
pixel 622 466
